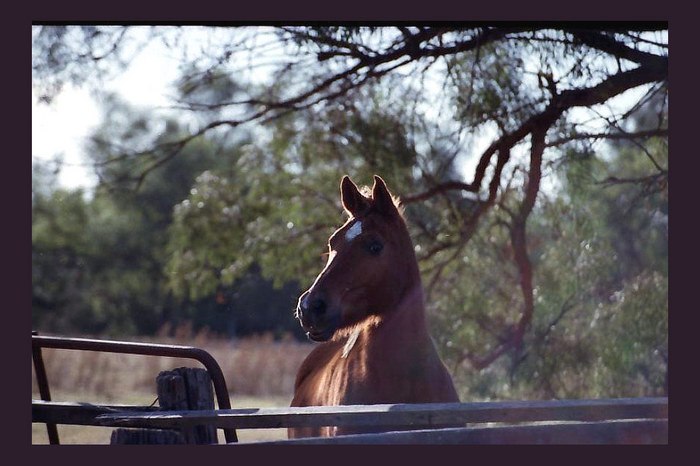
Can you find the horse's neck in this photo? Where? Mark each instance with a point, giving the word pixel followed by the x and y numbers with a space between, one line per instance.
pixel 409 315
pixel 402 329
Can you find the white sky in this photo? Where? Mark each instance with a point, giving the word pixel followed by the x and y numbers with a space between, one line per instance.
pixel 62 126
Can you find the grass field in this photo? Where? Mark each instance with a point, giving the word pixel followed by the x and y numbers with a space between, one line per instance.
pixel 259 372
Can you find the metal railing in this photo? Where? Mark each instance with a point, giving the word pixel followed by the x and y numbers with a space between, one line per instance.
pixel 146 349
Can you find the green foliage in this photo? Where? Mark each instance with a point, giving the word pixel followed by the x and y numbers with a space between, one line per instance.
pixel 279 203
pixel 72 280
pixel 210 231
pixel 600 255
pixel 98 264
pixel 493 86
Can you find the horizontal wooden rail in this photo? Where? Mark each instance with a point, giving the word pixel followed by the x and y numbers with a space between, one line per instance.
pixel 605 432
pixel 429 414
pixel 84 414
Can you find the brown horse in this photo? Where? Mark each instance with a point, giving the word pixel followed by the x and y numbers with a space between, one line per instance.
pixel 367 307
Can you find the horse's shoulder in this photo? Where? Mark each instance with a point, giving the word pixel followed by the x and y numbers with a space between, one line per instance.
pixel 317 359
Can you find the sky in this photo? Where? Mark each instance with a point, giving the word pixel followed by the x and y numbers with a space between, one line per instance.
pixel 59 128
pixel 62 126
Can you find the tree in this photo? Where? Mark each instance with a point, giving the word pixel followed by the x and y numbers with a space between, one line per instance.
pixel 531 107
pixel 98 261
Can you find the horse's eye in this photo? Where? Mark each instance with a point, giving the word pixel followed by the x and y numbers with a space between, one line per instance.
pixel 375 247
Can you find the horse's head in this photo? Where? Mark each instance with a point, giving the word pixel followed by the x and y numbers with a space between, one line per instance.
pixel 371 264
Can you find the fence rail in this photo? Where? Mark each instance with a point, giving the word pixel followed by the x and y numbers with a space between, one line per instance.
pixel 426 414
pixel 606 432
pixel 79 414
pixel 621 420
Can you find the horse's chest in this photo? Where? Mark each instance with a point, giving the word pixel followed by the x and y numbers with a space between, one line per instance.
pixel 358 379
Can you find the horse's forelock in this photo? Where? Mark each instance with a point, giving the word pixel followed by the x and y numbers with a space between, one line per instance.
pixel 366 191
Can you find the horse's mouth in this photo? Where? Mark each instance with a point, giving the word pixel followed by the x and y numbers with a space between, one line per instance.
pixel 318 329
pixel 319 336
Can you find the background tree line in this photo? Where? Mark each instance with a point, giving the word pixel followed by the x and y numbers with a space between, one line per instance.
pixel 532 161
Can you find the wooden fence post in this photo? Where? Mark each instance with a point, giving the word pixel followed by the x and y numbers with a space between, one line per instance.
pixel 146 437
pixel 180 389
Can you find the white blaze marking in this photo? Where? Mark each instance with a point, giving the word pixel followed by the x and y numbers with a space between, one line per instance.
pixel 353 231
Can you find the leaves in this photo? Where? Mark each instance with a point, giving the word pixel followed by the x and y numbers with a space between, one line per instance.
pixel 535 195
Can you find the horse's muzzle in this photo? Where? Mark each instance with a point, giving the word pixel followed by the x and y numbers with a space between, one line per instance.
pixel 315 318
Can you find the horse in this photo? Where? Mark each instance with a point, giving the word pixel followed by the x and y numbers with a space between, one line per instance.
pixel 366 308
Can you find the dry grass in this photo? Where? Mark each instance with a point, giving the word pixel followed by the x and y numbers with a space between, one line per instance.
pixel 259 372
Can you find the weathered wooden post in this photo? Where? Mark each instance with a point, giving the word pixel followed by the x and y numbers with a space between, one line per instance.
pixel 188 389
pixel 178 390
pixel 146 437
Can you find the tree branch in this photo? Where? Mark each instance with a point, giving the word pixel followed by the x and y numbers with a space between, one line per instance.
pixel 613 136
pixel 538 125
pixel 559 103
pixel 652 70
pixel 519 237
pixel 607 44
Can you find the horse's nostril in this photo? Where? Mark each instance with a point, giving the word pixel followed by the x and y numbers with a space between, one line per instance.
pixel 318 306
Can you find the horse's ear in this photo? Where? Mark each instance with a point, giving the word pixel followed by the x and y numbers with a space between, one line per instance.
pixel 383 200
pixel 353 201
